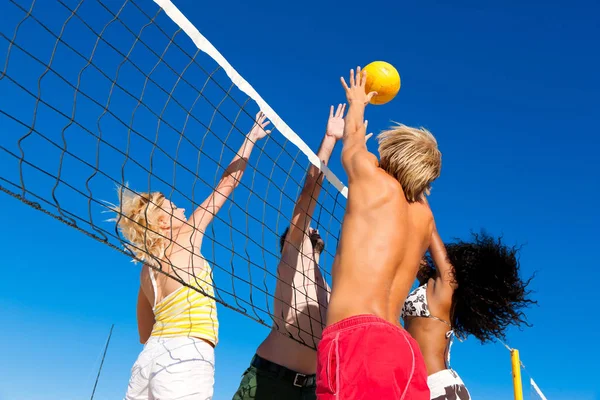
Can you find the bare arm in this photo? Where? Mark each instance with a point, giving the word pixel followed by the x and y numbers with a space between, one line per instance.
pixel 356 159
pixel 230 179
pixel 305 205
pixel 443 269
pixel 443 287
pixel 437 250
pixel 145 317
pixel 301 290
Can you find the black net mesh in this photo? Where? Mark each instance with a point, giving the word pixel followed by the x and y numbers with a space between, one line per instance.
pixel 94 95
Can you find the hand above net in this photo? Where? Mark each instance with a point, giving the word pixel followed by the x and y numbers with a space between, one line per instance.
pixel 335 123
pixel 358 100
pixel 356 94
pixel 258 129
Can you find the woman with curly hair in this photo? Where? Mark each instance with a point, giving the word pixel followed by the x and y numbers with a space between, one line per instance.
pixel 466 288
pixel 176 311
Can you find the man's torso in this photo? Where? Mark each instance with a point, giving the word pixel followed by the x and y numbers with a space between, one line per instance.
pixel 300 305
pixel 382 241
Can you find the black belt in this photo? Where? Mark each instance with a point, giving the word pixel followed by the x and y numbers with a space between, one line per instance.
pixel 283 373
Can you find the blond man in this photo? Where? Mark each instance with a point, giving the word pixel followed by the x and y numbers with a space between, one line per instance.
pixel 364 351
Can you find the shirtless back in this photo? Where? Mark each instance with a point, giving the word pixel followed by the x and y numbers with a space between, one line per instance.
pixel 383 238
pixel 386 231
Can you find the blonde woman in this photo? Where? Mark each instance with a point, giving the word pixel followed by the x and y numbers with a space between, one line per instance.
pixel 177 323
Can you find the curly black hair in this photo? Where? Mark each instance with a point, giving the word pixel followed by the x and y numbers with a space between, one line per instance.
pixel 490 295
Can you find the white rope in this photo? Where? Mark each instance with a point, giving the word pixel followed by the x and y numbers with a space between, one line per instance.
pixel 505 345
pixel 537 389
pixel 204 45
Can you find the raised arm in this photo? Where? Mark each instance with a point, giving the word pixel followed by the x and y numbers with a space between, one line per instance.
pixel 145 317
pixel 437 250
pixel 355 156
pixel 305 205
pixel 230 179
pixel 443 284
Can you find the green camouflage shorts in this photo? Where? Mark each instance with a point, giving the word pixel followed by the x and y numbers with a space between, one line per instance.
pixel 262 385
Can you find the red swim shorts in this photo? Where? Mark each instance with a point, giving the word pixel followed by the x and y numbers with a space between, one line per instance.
pixel 366 357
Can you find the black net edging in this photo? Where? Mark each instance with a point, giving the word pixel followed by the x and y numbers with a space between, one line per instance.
pixel 93 96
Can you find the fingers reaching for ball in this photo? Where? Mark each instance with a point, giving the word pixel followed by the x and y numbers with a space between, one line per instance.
pixel 356 93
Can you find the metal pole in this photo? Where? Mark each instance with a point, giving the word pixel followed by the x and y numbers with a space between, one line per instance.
pixel 516 374
pixel 102 362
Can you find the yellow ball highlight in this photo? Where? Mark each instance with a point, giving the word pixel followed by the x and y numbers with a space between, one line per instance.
pixel 384 79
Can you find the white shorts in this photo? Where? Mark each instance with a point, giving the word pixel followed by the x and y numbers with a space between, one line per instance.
pixel 446 385
pixel 173 368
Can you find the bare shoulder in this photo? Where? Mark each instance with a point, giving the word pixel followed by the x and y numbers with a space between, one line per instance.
pixel 423 213
pixel 359 163
pixel 145 273
pixel 146 282
pixel 422 218
pixel 389 186
pixel 439 295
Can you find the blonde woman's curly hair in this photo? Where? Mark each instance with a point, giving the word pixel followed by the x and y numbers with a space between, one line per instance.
pixel 411 156
pixel 138 220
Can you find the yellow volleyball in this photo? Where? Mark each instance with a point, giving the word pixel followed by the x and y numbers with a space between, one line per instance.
pixel 384 79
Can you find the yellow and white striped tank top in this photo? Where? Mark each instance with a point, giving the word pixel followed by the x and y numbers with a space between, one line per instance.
pixel 187 312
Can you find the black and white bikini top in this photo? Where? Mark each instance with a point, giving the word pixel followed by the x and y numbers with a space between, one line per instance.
pixel 416 306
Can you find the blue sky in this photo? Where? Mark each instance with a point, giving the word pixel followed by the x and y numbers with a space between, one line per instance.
pixel 509 90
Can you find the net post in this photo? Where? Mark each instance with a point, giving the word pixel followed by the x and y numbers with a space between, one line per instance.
pixel 516 374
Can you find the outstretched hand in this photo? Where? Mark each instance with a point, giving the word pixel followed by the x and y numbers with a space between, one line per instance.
pixel 356 92
pixel 258 129
pixel 335 123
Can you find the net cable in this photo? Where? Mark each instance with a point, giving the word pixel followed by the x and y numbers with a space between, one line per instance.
pixel 138 97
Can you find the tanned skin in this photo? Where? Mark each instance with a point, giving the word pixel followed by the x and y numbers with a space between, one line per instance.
pixel 430 333
pixel 383 236
pixel 301 293
pixel 184 249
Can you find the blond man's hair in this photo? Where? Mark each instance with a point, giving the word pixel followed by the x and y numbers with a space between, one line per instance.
pixel 138 220
pixel 411 156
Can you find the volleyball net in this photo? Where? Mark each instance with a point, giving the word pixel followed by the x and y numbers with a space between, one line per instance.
pixel 98 95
